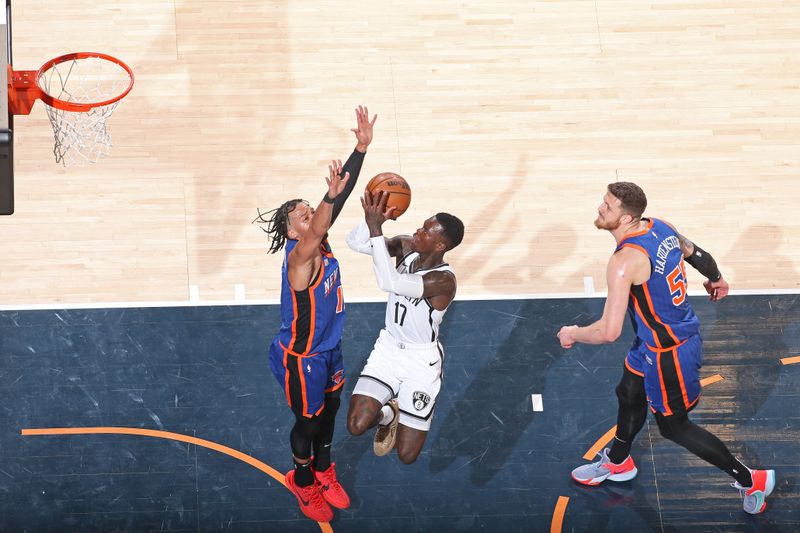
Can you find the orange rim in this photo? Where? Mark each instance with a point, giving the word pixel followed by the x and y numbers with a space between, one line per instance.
pixel 81 107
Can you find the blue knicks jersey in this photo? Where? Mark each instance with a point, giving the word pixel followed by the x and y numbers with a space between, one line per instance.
pixel 659 310
pixel 312 319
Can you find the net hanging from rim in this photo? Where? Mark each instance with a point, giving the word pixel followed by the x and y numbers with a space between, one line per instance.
pixel 80 92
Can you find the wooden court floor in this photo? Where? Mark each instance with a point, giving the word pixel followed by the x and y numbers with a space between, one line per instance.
pixel 513 115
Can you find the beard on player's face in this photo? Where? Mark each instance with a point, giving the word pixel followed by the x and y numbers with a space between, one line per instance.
pixel 608 222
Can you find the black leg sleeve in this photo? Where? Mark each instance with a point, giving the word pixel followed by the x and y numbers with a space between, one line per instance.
pixel 705 445
pixel 303 434
pixel 324 439
pixel 631 415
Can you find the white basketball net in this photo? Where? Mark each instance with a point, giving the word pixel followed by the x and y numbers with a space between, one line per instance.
pixel 82 137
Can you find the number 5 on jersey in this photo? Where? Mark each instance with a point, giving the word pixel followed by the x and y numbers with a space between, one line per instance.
pixel 677 284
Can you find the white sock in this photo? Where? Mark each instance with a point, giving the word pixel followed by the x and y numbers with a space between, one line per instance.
pixel 387 415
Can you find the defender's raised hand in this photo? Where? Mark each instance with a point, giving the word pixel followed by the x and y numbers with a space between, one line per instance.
pixel 363 130
pixel 336 182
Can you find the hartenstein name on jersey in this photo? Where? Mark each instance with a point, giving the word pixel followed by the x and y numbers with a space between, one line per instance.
pixel 331 281
pixel 664 248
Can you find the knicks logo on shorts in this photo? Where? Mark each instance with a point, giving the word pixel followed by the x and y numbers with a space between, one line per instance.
pixel 337 377
pixel 421 400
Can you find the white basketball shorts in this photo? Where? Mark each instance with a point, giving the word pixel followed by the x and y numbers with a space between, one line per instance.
pixel 410 372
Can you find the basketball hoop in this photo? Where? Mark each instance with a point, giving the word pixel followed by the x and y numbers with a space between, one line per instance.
pixel 80 92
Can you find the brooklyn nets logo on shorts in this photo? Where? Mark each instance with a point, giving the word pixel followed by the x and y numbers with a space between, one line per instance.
pixel 421 400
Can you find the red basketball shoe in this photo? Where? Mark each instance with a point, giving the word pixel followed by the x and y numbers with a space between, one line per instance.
pixel 331 489
pixel 310 498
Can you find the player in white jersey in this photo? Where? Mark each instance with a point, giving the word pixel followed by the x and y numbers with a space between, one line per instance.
pixel 398 386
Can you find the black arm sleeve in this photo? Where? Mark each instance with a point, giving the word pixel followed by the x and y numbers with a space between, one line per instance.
pixel 353 166
pixel 704 263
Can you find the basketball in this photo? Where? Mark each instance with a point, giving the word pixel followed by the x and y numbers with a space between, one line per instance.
pixel 396 186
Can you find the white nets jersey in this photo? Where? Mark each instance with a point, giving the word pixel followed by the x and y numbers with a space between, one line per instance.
pixel 413 320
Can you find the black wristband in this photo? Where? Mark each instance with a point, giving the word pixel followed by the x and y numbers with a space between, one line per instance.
pixel 704 263
pixel 327 199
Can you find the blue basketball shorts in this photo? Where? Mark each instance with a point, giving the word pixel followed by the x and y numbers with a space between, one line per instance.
pixel 671 375
pixel 307 379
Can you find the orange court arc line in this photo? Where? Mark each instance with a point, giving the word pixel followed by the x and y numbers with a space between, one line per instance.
pixel 790 360
pixel 602 441
pixel 710 380
pixel 606 438
pixel 558 514
pixel 236 454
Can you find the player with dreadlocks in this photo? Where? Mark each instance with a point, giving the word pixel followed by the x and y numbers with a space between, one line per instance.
pixel 305 356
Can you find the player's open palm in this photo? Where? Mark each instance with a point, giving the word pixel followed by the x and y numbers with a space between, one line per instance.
pixel 336 182
pixel 375 210
pixel 364 125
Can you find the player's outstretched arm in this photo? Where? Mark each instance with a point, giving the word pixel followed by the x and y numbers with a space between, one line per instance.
pixel 363 133
pixel 702 261
pixel 623 269
pixel 307 247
